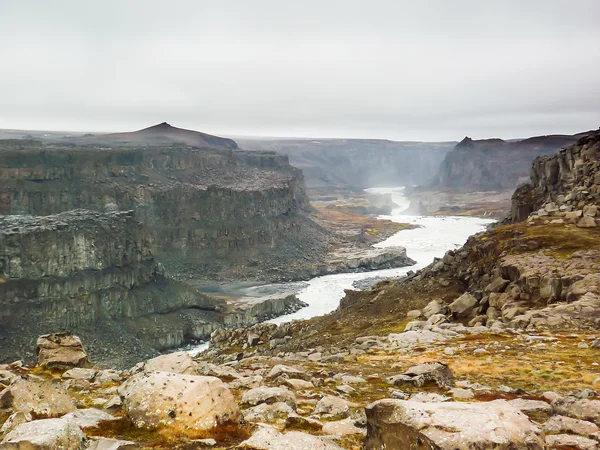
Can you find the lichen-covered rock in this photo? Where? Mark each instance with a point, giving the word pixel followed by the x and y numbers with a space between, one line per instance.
pixel 402 424
pixel 186 401
pixel 41 398
pixel 45 434
pixel 179 362
pixel 269 395
pixel 61 350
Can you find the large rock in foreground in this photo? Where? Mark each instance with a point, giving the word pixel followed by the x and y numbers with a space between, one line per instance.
pixel 41 398
pixel 186 401
pixel 46 434
pixel 400 424
pixel 61 350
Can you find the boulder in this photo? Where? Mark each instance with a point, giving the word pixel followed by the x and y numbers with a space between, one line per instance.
pixel 563 424
pixel 269 395
pixel 434 307
pixel 268 438
pixel 297 385
pixel 61 350
pixel 404 424
pixel 463 306
pixel 186 401
pixel 41 398
pixel 497 285
pixel 268 412
pixel 13 421
pixel 45 434
pixel 179 362
pixel 571 442
pixel 79 373
pixel 586 222
pixel 423 374
pixel 290 371
pixel 536 409
pixel 332 405
pixel 111 444
pixel 251 382
pixel 342 428
pixel 577 408
pixel 88 418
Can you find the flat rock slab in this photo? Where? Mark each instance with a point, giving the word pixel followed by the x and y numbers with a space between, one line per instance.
pixel 405 424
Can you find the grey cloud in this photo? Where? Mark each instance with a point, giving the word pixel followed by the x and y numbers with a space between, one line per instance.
pixel 389 69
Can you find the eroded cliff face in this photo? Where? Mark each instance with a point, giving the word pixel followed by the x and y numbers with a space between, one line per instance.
pixel 211 212
pixel 566 181
pixel 95 273
pixel 494 164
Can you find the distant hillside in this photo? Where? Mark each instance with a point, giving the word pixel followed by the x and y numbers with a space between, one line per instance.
pixel 494 164
pixel 331 165
pixel 161 134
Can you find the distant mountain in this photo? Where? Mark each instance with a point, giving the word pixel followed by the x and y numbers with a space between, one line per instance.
pixel 495 164
pixel 162 134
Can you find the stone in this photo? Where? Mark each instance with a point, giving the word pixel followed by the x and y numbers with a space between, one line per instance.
pixel 295 421
pixel 423 374
pixel 253 339
pixel 315 357
pixel 15 420
pixel 429 397
pixel 577 408
pixel 298 384
pixel 497 285
pixel 434 307
pixel 572 215
pixel 223 372
pixel 533 408
pixel 404 424
pixel 79 373
pixel 87 418
pixel 342 428
pixel 435 320
pixel 586 222
pixel 563 424
pixel 41 398
pixel 100 443
pixel 269 395
pixel 450 351
pixel 332 405
pixel 251 382
pixel 61 350
pixel 290 371
pixel 186 401
pixel 45 434
pixel 350 379
pixel 463 306
pixel 268 438
pixel 267 412
pixel 462 394
pixel 413 314
pixel 108 376
pixel 569 441
pixel 590 210
pixel 179 362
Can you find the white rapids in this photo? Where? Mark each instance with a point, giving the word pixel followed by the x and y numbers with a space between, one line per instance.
pixel 433 237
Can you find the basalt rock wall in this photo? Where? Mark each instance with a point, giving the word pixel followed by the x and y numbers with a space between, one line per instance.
pixel 209 211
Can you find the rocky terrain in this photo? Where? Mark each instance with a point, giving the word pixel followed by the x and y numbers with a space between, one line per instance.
pixel 348 165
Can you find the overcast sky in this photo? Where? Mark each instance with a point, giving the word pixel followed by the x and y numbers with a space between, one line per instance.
pixel 418 70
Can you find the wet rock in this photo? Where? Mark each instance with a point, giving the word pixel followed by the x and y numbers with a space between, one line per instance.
pixel 45 434
pixel 424 374
pixel 401 424
pixel 269 395
pixel 334 406
pixel 41 398
pixel 61 350
pixel 186 401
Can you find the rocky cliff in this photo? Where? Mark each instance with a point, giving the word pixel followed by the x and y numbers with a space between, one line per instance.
pixel 333 165
pixel 212 212
pixel 494 164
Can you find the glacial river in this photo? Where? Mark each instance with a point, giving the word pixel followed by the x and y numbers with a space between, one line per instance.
pixel 433 237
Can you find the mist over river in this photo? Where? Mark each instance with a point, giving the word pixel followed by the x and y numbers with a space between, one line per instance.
pixel 434 237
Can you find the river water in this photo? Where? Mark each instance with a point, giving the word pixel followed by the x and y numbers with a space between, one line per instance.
pixel 433 237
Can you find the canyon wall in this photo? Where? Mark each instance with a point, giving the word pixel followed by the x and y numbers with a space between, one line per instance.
pixel 333 165
pixel 494 164
pixel 214 213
